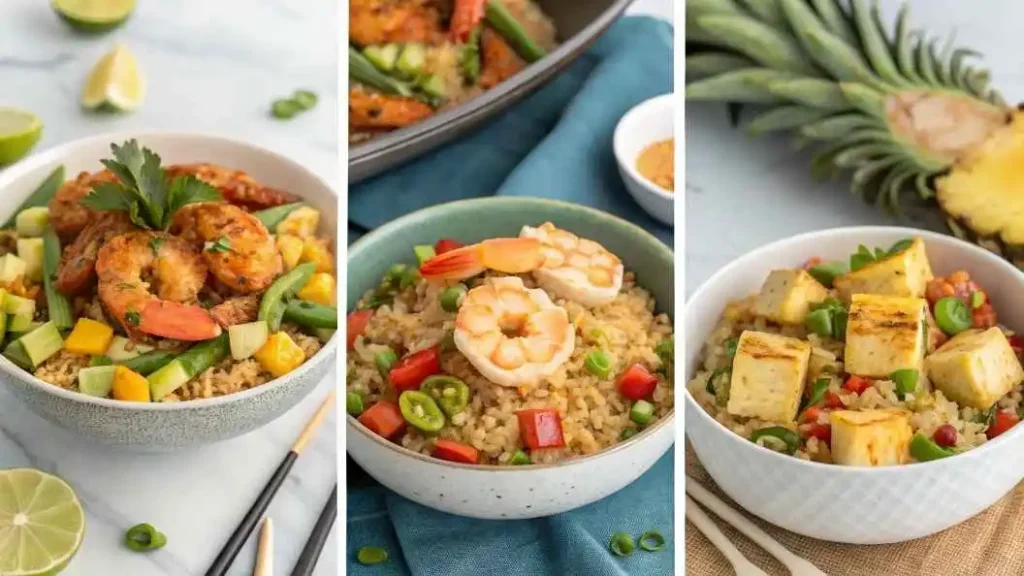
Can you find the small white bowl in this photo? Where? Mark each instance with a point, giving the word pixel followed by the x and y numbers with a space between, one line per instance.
pixel 855 505
pixel 646 123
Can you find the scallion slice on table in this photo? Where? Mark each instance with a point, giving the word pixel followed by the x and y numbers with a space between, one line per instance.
pixel 306 99
pixel 652 541
pixel 599 364
pixel 370 555
pixel 285 108
pixel 622 544
pixel 144 537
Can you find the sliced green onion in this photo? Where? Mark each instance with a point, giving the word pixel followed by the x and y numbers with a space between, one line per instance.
pixel 599 364
pixel 370 555
pixel 519 459
pixel 628 433
pixel 641 412
pixel 384 360
pixel 924 449
pixel 285 108
pixel 452 297
pixel 905 380
pixel 827 272
pixel 144 537
pixel 621 544
pixel 820 322
pixel 652 541
pixel 305 99
pixel 952 316
pixel 818 390
pixel 777 438
pixel 354 403
pixel 730 347
pixel 666 350
pixel 977 299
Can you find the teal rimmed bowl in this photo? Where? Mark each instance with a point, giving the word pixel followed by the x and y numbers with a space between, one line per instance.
pixel 508 492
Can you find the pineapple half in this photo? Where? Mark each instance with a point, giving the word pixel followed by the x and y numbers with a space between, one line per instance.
pixel 905 117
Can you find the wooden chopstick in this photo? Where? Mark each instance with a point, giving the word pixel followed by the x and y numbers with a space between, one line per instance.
pixel 796 565
pixel 318 537
pixel 234 544
pixel 265 550
pixel 707 526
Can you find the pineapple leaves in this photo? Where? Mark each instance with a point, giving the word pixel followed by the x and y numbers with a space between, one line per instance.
pixel 829 51
pixel 767 11
pixel 749 86
pixel 864 99
pixel 757 41
pixel 710 64
pixel 784 118
pixel 835 19
pixel 905 39
pixel 838 126
pixel 812 92
pixel 875 45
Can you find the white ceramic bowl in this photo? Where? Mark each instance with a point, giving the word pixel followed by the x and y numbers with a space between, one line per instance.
pixel 856 505
pixel 167 426
pixel 646 123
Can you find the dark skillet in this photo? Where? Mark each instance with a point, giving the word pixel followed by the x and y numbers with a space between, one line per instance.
pixel 579 23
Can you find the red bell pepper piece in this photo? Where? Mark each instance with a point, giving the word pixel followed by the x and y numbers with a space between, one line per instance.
pixel 455 452
pixel 636 383
pixel 856 384
pixel 1002 422
pixel 822 432
pixel 409 372
pixel 540 428
pixel 355 325
pixel 384 419
pixel 832 400
pixel 446 245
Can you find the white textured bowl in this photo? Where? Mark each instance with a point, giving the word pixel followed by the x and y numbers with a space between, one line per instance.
pixel 856 505
pixel 168 426
pixel 650 121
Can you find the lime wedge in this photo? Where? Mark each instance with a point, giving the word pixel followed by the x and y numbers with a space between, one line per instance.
pixel 41 523
pixel 19 132
pixel 94 15
pixel 115 82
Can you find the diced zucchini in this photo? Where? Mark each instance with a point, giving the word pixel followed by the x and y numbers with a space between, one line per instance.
pixel 246 339
pixel 383 57
pixel 167 380
pixel 31 251
pixel 19 306
pixel 423 253
pixel 412 59
pixel 15 352
pixel 434 86
pixel 323 334
pixel 11 267
pixel 32 222
pixel 19 323
pixel 122 349
pixel 96 380
pixel 41 343
pixel 3 325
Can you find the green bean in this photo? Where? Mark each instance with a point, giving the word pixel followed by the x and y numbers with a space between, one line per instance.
pixel 505 24
pixel 203 355
pixel 469 58
pixel 311 315
pixel 452 297
pixel 149 362
pixel 57 303
pixel 282 288
pixel 363 71
pixel 384 361
pixel 271 217
pixel 42 195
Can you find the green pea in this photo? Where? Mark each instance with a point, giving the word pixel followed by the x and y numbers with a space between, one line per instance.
pixel 520 459
pixel 641 412
pixel 452 297
pixel 384 361
pixel 354 403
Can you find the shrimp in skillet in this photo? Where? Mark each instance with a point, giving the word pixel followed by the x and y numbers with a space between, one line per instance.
pixel 236 187
pixel 372 111
pixel 77 268
pixel 149 282
pixel 384 21
pixel 66 214
pixel 235 245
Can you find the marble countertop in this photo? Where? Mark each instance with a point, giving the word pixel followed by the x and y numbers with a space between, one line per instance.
pixel 211 67
pixel 744 192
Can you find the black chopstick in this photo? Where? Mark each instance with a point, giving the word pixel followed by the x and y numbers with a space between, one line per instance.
pixel 234 544
pixel 318 537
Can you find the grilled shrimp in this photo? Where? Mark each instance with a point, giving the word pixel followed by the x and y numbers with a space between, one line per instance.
pixel 372 111
pixel 132 266
pixel 78 264
pixel 235 186
pixel 236 310
pixel 384 21
pixel 236 246
pixel 513 335
pixel 66 214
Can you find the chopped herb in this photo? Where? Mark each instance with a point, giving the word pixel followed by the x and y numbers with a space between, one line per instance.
pixel 154 244
pixel 221 245
pixel 132 318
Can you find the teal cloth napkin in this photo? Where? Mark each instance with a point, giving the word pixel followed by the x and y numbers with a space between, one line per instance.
pixel 557 143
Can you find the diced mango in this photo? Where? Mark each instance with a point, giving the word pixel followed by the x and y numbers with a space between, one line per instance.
pixel 280 355
pixel 130 386
pixel 903 274
pixel 871 437
pixel 768 375
pixel 885 334
pixel 321 289
pixel 89 337
pixel 11 268
pixel 318 250
pixel 302 222
pixel 787 295
pixel 290 248
pixel 975 368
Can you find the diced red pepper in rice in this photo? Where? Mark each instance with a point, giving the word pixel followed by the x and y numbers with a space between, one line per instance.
pixel 540 428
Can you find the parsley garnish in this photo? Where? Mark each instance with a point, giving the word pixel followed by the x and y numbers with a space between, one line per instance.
pixel 154 244
pixel 132 318
pixel 143 189
pixel 221 245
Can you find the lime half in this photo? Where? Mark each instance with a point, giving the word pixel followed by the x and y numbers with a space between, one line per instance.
pixel 115 82
pixel 41 523
pixel 94 15
pixel 19 132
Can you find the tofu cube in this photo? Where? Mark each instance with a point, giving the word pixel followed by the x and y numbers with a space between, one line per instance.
pixel 904 274
pixel 768 375
pixel 975 368
pixel 787 295
pixel 871 437
pixel 885 334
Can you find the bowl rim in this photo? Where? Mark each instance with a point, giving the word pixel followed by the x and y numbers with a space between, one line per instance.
pixel 620 135
pixel 55 155
pixel 438 210
pixel 984 256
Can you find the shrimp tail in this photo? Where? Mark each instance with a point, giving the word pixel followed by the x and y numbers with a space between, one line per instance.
pixel 507 255
pixel 177 321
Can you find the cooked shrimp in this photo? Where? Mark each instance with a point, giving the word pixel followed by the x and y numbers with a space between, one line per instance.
pixel 66 214
pixel 236 310
pixel 499 60
pixel 370 111
pixel 77 268
pixel 134 265
pixel 575 268
pixel 384 21
pixel 513 335
pixel 235 186
pixel 237 247
pixel 508 255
